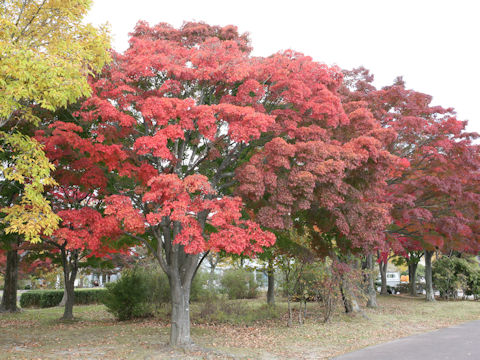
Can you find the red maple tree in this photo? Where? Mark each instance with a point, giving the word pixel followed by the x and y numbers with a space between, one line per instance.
pixel 83 165
pixel 172 105
pixel 326 165
pixel 436 197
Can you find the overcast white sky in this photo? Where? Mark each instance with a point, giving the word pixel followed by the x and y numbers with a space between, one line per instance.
pixel 435 45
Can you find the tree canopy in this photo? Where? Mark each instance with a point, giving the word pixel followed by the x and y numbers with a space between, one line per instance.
pixel 46 56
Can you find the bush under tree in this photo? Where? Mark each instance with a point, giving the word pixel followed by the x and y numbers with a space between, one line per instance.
pixel 239 284
pixel 451 274
pixel 141 291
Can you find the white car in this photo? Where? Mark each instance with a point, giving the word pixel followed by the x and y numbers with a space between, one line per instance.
pixel 393 280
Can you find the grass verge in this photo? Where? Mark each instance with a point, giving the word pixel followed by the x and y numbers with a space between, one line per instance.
pixel 241 329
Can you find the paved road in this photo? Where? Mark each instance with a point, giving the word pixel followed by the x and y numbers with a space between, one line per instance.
pixel 456 342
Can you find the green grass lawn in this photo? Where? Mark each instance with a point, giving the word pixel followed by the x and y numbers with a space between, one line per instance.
pixel 244 329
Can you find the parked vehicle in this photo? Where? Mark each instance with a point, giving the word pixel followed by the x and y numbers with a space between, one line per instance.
pixel 393 281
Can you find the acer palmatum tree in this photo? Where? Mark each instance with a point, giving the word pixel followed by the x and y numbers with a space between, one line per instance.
pixel 168 103
pixel 81 235
pixel 46 54
pixel 410 254
pixel 437 197
pixel 82 167
pixel 326 168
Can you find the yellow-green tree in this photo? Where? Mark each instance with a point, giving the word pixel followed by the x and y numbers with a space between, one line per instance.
pixel 46 56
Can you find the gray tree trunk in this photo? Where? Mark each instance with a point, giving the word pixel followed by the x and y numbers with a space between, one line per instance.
pixel 9 298
pixel 349 301
pixel 180 328
pixel 211 277
pixel 68 310
pixel 300 311
pixel 288 286
pixel 271 284
pixel 289 306
pixel 213 260
pixel 70 268
pixel 383 275
pixel 64 298
pixel 372 292
pixel 271 289
pixel 430 296
pixel 180 268
pixel 412 274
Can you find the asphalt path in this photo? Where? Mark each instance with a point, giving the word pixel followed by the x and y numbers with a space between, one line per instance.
pixel 456 342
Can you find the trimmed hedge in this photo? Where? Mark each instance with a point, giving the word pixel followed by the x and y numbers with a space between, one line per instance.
pixel 51 298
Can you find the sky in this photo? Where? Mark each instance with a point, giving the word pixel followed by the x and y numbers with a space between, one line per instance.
pixel 434 45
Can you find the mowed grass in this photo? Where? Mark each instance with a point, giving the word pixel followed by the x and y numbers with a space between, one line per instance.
pixel 246 329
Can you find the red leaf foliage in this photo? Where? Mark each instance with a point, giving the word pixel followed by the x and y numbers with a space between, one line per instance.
pixel 435 189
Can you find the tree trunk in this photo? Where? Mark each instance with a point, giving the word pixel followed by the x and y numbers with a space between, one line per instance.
pixel 180 268
pixel 383 275
pixel 412 274
pixel 349 301
pixel 180 329
pixel 64 298
pixel 300 311
pixel 211 277
pixel 213 264
pixel 430 296
pixel 289 305
pixel 9 299
pixel 70 291
pixel 70 268
pixel 347 304
pixel 271 284
pixel 372 292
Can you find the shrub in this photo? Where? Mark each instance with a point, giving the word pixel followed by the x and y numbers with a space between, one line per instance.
pixel 239 284
pixel 160 287
pixel 453 273
pixel 132 296
pixel 200 290
pixel 140 291
pixel 51 298
pixel 309 280
pixel 473 285
pixel 320 281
